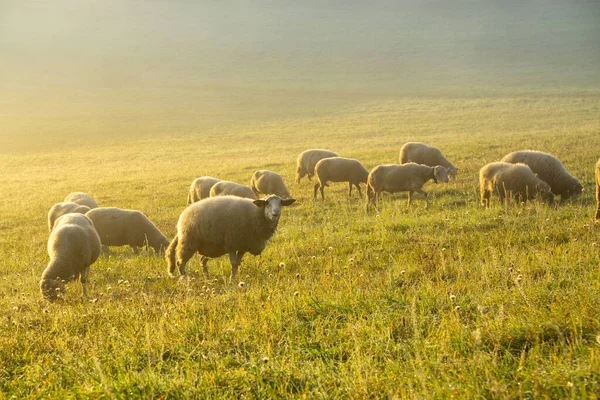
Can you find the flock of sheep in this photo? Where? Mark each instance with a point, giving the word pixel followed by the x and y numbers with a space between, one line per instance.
pixel 225 217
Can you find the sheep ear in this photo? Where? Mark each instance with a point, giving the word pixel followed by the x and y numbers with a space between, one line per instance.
pixel 287 202
pixel 260 203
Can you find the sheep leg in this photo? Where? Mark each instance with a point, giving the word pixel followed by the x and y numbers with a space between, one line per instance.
pixel 349 189
pixel 485 198
pixel 183 256
pixel 205 267
pixel 83 279
pixel 315 190
pixel 360 196
pixel 424 193
pixel 322 189
pixel 135 249
pixel 236 260
pixel 409 197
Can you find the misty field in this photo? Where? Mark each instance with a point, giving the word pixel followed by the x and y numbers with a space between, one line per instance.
pixel 450 301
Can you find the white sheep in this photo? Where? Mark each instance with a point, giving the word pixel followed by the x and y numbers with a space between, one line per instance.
pixel 308 159
pixel 228 188
pixel 339 169
pixel 73 246
pixel 511 180
pixel 268 182
pixel 63 208
pixel 200 188
pixel 598 191
pixel 118 227
pixel 409 178
pixel 421 153
pixel 549 169
pixel 81 198
pixel 224 225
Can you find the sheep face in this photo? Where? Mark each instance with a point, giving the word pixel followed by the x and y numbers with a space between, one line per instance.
pixel 452 173
pixel 272 206
pixel 51 288
pixel 440 174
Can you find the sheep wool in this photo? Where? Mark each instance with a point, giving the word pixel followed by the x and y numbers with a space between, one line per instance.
pixel 200 188
pixel 227 188
pixel 308 159
pixel 268 182
pixel 81 198
pixel 549 169
pixel 63 208
pixel 409 178
pixel 421 153
pixel 516 180
pixel 119 227
pixel 224 225
pixel 339 169
pixel 73 246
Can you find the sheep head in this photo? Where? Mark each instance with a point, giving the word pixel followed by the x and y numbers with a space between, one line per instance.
pixel 440 174
pixel 52 288
pixel 272 206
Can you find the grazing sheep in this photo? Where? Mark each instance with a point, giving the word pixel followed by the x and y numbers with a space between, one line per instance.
pixel 549 169
pixel 268 182
pixel 224 225
pixel 227 188
pixel 81 198
pixel 118 227
pixel 507 179
pixel 200 188
pixel 421 153
pixel 73 246
pixel 308 159
pixel 598 190
pixel 64 208
pixel 339 169
pixel 409 178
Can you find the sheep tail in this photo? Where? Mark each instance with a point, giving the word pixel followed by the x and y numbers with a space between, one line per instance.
pixel 170 255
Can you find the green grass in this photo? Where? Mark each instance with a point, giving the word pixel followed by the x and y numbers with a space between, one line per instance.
pixel 450 301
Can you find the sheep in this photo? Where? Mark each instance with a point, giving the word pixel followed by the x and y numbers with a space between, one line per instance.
pixel 81 198
pixel 268 182
pixel 64 208
pixel 308 159
pixel 507 179
pixel 339 169
pixel 200 188
pixel 598 191
pixel 226 188
pixel 73 246
pixel 549 169
pixel 118 227
pixel 421 153
pixel 224 225
pixel 409 178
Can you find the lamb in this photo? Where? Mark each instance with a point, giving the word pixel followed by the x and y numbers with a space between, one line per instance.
pixel 507 179
pixel 224 225
pixel 81 198
pixel 339 169
pixel 227 188
pixel 421 153
pixel 308 159
pixel 200 188
pixel 118 227
pixel 63 208
pixel 409 178
pixel 598 191
pixel 268 182
pixel 549 169
pixel 73 246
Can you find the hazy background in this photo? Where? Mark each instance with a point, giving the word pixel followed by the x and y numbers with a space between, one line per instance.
pixel 109 68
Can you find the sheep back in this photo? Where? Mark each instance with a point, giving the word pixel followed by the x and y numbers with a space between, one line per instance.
pixel 308 159
pixel 549 169
pixel 119 227
pixel 73 246
pixel 340 169
pixel 268 182
pixel 399 177
pixel 63 208
pixel 200 188
pixel 81 198
pixel 421 153
pixel 228 188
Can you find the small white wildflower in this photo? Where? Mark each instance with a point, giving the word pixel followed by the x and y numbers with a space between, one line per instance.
pixel 452 297
pixel 241 284
pixel 281 265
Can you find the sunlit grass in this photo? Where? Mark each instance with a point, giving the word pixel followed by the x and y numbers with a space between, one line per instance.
pixel 453 300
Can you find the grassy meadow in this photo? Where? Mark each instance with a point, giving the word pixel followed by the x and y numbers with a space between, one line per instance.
pixel 451 301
